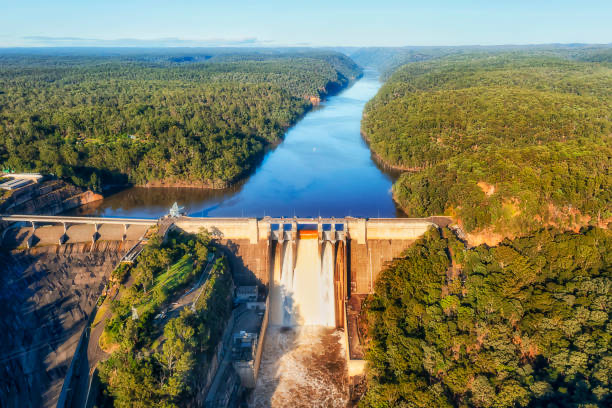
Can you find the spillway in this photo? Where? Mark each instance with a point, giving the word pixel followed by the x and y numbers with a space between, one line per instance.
pixel 303 363
pixel 327 315
pixel 305 290
pixel 287 303
pixel 303 366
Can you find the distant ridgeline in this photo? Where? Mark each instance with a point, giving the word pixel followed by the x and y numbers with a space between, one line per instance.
pixel 388 59
pixel 202 118
pixel 504 143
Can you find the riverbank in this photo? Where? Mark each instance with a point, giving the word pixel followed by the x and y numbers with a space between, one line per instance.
pixel 321 166
pixel 386 164
pixel 331 89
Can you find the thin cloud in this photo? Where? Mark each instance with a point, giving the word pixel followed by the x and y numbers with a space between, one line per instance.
pixel 137 42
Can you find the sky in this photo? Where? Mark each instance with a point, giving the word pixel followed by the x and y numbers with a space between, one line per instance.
pixel 303 23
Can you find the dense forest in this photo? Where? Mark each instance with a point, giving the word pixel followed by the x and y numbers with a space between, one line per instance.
pixel 159 362
pixel 504 143
pixel 200 119
pixel 387 59
pixel 523 324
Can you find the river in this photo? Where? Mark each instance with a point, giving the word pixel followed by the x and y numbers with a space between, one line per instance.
pixel 323 167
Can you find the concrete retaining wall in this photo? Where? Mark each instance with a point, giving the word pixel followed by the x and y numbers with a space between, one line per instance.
pixel 372 243
pixel 366 261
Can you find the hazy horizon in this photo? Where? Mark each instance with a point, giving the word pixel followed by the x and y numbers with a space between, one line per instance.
pixel 153 46
pixel 387 23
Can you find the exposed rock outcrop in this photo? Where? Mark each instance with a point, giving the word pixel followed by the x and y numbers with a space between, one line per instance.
pixel 47 198
pixel 46 296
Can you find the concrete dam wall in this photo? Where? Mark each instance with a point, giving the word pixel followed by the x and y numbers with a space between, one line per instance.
pixel 309 266
pixel 312 269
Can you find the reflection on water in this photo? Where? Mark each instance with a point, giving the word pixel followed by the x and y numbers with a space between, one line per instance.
pixel 152 202
pixel 323 167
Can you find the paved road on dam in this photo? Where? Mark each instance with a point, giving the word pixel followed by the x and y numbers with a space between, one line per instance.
pixel 323 167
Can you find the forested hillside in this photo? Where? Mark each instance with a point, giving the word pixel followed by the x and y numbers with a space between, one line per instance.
pixel 523 324
pixel 163 361
pixel 201 119
pixel 387 59
pixel 503 143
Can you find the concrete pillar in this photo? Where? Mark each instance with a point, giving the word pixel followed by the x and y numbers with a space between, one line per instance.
pixel 294 231
pixel 253 230
pixel 321 240
pixel 338 284
pixel 30 238
pixel 332 231
pixel 64 237
pixel 125 228
pixel 275 293
pixel 294 239
pixel 294 245
pixel 362 228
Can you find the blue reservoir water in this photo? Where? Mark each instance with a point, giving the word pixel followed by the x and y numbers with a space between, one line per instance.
pixel 323 167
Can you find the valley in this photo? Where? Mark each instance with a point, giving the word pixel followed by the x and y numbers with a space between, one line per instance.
pixel 414 227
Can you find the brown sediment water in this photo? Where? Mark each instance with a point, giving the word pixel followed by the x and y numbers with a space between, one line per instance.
pixel 303 366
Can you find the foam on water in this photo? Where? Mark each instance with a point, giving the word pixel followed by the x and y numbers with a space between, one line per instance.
pixel 303 366
pixel 307 291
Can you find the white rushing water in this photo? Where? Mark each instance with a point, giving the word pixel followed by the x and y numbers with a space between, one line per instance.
pixel 303 363
pixel 287 302
pixel 326 287
pixel 307 291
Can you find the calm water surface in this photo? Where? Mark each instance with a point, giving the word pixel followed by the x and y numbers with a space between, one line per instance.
pixel 323 167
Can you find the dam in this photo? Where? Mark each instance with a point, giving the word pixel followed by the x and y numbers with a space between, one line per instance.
pixel 309 266
pixel 310 269
pixel 314 271
pixel 354 249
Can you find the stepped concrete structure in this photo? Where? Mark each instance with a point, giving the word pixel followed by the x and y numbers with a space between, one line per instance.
pixel 360 247
pixel 310 268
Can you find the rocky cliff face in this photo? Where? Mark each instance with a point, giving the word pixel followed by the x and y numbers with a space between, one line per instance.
pixel 47 198
pixel 46 296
